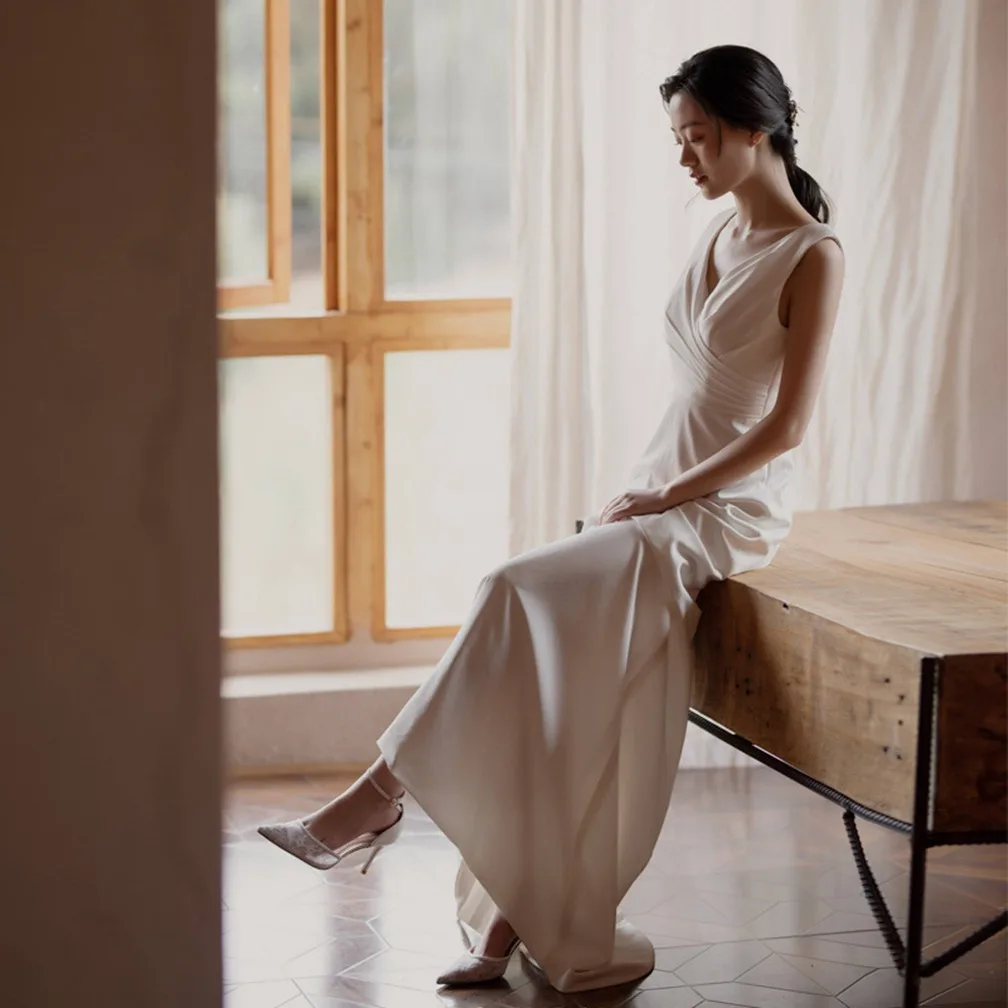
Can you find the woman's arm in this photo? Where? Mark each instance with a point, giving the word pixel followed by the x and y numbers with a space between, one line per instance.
pixel 815 295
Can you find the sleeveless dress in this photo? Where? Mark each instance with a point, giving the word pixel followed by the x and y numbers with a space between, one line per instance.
pixel 546 742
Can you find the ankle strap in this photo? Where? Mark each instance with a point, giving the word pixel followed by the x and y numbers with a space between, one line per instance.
pixel 382 792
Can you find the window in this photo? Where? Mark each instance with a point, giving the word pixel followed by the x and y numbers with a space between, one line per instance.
pixel 447 148
pixel 253 186
pixel 364 241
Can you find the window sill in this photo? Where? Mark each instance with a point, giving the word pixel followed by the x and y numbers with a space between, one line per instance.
pixel 327 722
pixel 311 722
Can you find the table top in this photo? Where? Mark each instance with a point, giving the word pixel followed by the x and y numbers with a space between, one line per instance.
pixel 931 577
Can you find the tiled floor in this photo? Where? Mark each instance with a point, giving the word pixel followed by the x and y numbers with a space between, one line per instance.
pixel 751 899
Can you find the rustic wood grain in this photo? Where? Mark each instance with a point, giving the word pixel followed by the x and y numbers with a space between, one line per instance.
pixel 890 574
pixel 971 786
pixel 813 692
pixel 817 658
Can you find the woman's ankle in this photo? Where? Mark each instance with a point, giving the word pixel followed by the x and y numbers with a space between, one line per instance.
pixel 497 937
pixel 384 781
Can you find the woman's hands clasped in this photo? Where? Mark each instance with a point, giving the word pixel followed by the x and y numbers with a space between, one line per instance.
pixel 632 503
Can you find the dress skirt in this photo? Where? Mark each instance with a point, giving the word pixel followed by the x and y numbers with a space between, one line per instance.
pixel 546 743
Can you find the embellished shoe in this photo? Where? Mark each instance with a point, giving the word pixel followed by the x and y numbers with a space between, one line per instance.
pixel 470 969
pixel 295 838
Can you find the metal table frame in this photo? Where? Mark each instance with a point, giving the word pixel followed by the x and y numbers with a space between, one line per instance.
pixel 908 956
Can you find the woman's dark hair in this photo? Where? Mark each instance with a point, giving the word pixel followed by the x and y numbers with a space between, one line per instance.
pixel 744 88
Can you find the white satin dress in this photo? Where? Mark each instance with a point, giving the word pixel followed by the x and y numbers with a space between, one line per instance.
pixel 546 742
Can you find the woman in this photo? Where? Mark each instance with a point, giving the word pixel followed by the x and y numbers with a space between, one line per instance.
pixel 546 742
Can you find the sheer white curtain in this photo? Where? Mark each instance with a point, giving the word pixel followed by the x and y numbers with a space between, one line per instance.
pixel 902 120
pixel 551 413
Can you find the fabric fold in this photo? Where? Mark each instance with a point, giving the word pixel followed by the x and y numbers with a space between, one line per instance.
pixel 550 768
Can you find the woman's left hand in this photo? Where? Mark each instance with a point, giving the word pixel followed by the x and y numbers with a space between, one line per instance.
pixel 632 503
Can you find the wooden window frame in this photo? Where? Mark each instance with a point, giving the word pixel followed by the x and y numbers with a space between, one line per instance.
pixel 275 289
pixel 358 325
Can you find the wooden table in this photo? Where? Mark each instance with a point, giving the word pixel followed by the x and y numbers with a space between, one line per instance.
pixel 868 662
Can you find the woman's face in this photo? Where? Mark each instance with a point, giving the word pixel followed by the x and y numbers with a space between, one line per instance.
pixel 716 165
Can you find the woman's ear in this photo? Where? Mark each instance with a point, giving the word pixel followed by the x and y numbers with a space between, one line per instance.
pixel 755 139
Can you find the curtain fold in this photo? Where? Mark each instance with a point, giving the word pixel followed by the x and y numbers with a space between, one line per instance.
pixel 550 420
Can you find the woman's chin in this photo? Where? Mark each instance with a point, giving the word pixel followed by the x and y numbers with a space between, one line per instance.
pixel 708 190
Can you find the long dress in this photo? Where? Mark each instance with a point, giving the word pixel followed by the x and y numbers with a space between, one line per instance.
pixel 546 742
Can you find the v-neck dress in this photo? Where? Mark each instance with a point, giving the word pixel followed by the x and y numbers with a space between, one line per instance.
pixel 546 742
pixel 727 350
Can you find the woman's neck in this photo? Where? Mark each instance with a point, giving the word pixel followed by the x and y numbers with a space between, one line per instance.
pixel 766 202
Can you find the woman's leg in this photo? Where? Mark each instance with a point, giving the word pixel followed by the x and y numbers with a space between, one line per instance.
pixel 362 809
pixel 359 809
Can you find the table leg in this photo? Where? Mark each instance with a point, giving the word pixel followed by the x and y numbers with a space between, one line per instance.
pixel 923 781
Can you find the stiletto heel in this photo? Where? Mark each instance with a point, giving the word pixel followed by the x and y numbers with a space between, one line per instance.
pixel 295 838
pixel 470 969
pixel 382 840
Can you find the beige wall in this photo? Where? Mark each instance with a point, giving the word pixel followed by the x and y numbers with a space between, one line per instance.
pixel 108 566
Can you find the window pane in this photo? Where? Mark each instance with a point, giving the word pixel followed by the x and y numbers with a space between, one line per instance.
pixel 243 206
pixel 306 155
pixel 276 496
pixel 446 485
pixel 447 148
pixel 241 182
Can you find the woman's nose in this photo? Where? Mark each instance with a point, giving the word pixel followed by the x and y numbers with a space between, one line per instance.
pixel 686 157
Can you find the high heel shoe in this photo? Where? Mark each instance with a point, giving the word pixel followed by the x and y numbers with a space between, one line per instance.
pixel 470 969
pixel 295 838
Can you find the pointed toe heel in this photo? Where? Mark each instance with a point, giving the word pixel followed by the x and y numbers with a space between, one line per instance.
pixel 471 970
pixel 296 839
